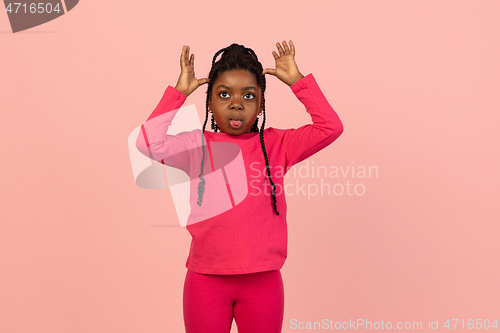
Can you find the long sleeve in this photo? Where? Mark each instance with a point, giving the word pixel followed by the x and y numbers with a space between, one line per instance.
pixel 153 141
pixel 304 141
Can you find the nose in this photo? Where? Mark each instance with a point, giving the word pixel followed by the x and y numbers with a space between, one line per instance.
pixel 236 103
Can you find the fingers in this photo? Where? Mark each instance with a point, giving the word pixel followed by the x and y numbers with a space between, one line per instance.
pixel 285 45
pixel 182 56
pixel 280 49
pixel 185 59
pixel 284 50
pixel 292 47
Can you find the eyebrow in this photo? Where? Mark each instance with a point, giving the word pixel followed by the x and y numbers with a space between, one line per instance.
pixel 228 88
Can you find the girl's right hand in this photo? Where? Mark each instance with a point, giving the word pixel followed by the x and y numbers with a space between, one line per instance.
pixel 187 82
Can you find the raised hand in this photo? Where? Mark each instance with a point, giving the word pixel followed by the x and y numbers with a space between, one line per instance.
pixel 187 82
pixel 286 69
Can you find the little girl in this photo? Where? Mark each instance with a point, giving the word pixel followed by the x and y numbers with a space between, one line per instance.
pixel 238 209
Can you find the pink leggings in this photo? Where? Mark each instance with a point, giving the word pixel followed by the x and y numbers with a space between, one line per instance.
pixel 255 300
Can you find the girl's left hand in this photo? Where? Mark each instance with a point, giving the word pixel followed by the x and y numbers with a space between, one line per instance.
pixel 286 68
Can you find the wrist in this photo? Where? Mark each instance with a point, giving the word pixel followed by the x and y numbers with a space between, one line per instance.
pixel 182 91
pixel 296 79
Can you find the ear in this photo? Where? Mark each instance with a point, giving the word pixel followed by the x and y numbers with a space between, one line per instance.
pixel 210 103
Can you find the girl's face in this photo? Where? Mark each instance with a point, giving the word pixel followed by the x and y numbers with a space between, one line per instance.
pixel 236 101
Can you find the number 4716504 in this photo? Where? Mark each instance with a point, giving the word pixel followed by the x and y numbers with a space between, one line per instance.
pixel 471 324
pixel 33 8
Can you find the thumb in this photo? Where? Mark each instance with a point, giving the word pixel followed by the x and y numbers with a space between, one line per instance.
pixel 271 71
pixel 202 81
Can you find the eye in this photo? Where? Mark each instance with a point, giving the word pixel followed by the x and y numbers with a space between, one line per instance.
pixel 252 96
pixel 224 92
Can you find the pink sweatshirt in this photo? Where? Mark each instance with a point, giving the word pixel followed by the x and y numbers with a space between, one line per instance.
pixel 235 230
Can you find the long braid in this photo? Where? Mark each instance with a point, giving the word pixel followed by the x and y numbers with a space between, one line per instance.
pixel 237 57
pixel 201 184
pixel 261 134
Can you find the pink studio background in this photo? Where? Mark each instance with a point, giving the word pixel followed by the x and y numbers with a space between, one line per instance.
pixel 83 249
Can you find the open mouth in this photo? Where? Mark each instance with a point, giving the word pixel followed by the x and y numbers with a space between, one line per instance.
pixel 235 122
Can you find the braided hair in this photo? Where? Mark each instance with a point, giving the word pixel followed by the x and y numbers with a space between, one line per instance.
pixel 237 56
